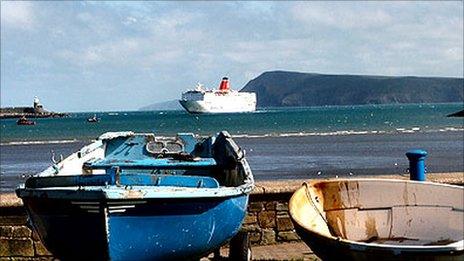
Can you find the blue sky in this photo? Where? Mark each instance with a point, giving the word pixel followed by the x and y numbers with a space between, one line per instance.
pixel 102 56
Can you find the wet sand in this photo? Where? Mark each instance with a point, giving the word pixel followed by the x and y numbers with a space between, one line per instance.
pixel 351 155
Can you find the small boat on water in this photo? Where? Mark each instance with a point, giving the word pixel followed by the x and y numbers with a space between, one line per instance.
pixel 24 121
pixel 134 196
pixel 377 219
pixel 93 119
pixel 456 114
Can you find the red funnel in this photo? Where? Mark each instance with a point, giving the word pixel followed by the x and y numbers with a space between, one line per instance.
pixel 224 84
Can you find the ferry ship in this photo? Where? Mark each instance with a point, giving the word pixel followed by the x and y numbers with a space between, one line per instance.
pixel 223 100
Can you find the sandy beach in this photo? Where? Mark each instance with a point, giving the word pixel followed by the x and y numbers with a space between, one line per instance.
pixel 330 156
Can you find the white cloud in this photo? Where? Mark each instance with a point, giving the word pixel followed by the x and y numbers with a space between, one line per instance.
pixel 129 20
pixel 258 7
pixel 341 15
pixel 173 24
pixel 162 41
pixel 18 14
pixel 270 52
pixel 33 62
pixel 109 53
pixel 453 53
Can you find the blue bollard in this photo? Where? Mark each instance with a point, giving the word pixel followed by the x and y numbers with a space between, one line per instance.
pixel 416 164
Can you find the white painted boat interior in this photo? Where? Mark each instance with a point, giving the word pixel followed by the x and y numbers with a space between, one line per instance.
pixel 385 212
pixel 73 164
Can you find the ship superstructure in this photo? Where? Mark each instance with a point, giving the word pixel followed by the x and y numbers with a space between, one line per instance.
pixel 222 100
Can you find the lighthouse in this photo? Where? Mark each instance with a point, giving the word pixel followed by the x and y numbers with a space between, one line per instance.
pixel 38 108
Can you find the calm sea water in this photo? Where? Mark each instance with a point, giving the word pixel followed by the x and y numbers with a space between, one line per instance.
pixel 272 122
pixel 280 143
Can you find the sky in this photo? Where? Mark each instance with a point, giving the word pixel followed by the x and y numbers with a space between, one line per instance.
pixel 107 56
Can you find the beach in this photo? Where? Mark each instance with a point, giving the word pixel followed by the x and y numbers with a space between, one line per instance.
pixel 305 157
pixel 293 157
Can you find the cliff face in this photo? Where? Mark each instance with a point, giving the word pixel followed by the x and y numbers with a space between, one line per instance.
pixel 280 88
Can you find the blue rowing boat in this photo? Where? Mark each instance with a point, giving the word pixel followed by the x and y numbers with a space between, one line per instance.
pixel 134 196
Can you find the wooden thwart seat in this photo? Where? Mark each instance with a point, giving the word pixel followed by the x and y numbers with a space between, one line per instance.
pixel 151 163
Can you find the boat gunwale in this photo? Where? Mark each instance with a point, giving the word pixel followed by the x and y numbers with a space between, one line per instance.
pixel 456 246
pixel 151 191
pixel 146 192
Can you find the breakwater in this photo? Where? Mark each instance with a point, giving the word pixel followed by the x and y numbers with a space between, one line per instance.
pixel 11 113
pixel 35 111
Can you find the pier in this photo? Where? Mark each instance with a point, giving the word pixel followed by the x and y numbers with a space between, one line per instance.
pixel 36 111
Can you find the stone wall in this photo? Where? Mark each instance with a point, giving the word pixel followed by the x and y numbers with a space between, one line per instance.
pixel 29 112
pixel 268 221
pixel 17 110
pixel 17 241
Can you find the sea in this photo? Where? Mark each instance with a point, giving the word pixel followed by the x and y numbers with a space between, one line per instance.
pixel 281 143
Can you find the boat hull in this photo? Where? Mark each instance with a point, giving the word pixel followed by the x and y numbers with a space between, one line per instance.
pixel 26 123
pixel 337 250
pixel 220 104
pixel 378 219
pixel 135 229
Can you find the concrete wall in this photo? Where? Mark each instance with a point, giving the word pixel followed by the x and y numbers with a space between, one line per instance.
pixel 267 220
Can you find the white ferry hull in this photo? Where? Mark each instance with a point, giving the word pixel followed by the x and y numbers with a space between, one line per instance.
pixel 223 100
pixel 208 107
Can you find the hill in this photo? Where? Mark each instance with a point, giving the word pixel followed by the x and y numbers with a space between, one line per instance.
pixel 172 105
pixel 281 88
